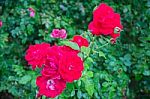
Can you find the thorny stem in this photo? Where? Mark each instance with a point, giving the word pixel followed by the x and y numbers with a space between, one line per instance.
pixel 104 45
pixel 91 46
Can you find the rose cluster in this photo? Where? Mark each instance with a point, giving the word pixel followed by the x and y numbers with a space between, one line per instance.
pixel 60 64
pixel 105 22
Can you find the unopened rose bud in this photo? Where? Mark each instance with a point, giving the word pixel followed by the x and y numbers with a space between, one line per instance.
pixel 1 23
pixel 113 41
pixel 117 30
pixel 32 12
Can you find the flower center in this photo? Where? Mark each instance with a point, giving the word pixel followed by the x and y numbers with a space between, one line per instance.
pixel 79 40
pixel 70 67
pixel 36 51
pixel 53 65
pixel 50 84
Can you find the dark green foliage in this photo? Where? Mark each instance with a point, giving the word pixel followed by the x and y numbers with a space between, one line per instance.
pixel 111 72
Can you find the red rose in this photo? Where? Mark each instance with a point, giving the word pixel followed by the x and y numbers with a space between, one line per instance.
pixel 52 62
pixel 50 87
pixel 51 68
pixel 105 21
pixel 36 54
pixel 70 67
pixel 81 41
pixel 56 53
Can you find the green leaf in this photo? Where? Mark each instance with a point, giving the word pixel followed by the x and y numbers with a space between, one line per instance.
pixel 111 94
pixel 146 72
pixel 127 63
pixel 79 94
pixel 71 44
pixel 89 87
pixel 25 79
pixel 89 59
pixel 38 2
pixel 127 57
pixel 33 83
pixel 18 69
pixel 70 86
pixel 88 62
pixel 105 84
pixel 85 50
pixel 101 54
pixel 138 77
pixel 72 93
pixel 79 82
pixel 80 55
pixel 44 97
pixel 30 29
pixel 13 90
pixel 89 74
pixel 148 53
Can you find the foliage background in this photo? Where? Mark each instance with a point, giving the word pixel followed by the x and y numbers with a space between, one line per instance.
pixel 117 71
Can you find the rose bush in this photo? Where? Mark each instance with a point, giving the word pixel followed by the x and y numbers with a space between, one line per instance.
pixel 119 70
pixel 60 65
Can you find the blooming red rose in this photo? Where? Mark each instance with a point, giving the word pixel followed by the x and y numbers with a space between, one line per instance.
pixel 51 67
pixel 54 56
pixel 81 41
pixel 52 62
pixel 105 21
pixel 50 87
pixel 1 23
pixel 70 67
pixel 36 54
